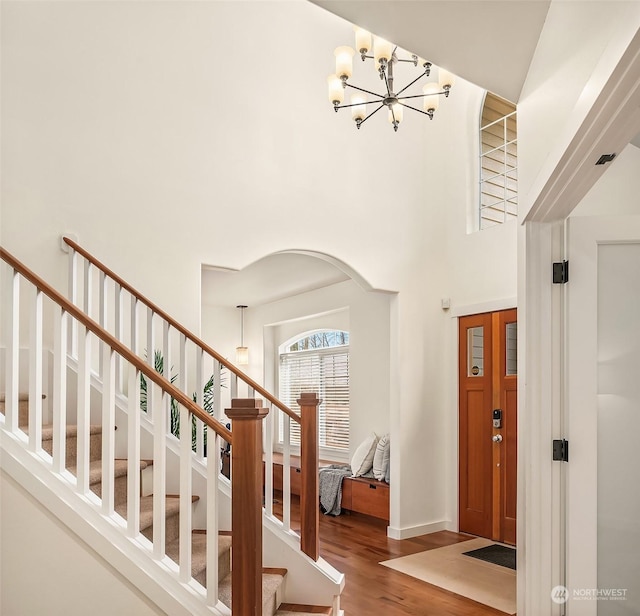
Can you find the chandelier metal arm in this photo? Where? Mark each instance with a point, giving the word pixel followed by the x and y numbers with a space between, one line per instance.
pixel 336 107
pixel 404 98
pixel 418 110
pixel 410 84
pixel 380 96
pixel 386 82
pixel 372 113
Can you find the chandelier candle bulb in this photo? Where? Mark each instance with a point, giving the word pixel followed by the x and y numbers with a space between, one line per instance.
pixel 363 41
pixel 431 97
pixel 344 61
pixel 425 64
pixel 382 50
pixel 446 81
pixel 336 90
pixel 359 109
pixel 396 111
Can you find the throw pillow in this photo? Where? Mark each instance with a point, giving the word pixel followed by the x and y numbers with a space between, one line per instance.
pixel 362 460
pixel 381 458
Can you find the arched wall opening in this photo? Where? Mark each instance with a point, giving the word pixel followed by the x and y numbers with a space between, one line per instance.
pixel 293 292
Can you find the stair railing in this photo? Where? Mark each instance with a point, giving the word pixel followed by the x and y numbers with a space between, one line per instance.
pixel 137 322
pixel 54 319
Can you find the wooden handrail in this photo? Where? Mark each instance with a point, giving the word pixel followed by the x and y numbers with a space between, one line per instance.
pixel 117 346
pixel 183 330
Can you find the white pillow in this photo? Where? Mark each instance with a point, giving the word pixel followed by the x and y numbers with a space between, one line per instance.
pixel 362 460
pixel 381 458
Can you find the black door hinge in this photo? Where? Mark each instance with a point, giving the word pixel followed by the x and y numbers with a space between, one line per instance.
pixel 561 272
pixel 561 450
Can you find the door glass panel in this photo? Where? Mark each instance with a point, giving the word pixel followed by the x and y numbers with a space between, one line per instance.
pixel 618 430
pixel 512 348
pixel 475 351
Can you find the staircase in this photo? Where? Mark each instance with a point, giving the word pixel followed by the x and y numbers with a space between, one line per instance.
pixel 79 447
pixel 272 578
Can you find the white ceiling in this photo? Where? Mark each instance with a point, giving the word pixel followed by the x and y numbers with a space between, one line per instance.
pixel 268 280
pixel 487 42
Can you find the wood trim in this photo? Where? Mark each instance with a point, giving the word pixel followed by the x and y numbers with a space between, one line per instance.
pixel 246 505
pixel 309 491
pixel 183 330
pixel 496 448
pixel 116 345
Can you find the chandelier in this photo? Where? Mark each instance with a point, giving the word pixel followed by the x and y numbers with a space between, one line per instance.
pixel 384 57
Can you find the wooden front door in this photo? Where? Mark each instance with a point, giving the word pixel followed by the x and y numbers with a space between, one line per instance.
pixel 487 454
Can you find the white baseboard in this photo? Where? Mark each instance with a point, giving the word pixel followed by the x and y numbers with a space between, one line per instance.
pixel 422 529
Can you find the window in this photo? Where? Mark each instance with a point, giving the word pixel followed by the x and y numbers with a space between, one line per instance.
pixel 319 362
pixel 498 162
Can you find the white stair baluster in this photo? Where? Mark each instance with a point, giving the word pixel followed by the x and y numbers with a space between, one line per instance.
pixel 84 409
pixel 185 471
pixel 102 314
pixel 268 462
pixel 73 298
pixel 118 329
pixel 13 352
pixel 59 389
pixel 217 391
pixel 199 401
pixel 213 471
pixel 286 474
pixel 182 372
pixel 108 428
pixel 234 386
pixel 150 361
pixel 185 494
pixel 35 374
pixel 159 470
pixel 166 364
pixel 88 287
pixel 133 452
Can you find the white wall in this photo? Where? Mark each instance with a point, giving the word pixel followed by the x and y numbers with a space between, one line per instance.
pixel 46 569
pixel 616 192
pixel 340 306
pixel 162 139
pixel 581 43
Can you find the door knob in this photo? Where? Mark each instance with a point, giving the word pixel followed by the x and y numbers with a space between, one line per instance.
pixel 497 438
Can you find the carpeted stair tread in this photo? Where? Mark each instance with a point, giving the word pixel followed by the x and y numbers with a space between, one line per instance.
pixel 95 470
pixel 271 582
pixel 199 554
pixel 172 507
pixel 72 430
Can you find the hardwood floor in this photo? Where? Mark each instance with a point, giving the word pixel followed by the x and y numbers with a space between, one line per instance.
pixel 355 544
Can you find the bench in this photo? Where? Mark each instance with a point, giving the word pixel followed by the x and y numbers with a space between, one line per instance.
pixel 359 494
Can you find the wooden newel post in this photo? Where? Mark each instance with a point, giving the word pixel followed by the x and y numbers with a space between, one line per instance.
pixel 309 462
pixel 246 416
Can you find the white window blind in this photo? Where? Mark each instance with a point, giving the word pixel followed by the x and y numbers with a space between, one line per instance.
pixel 325 371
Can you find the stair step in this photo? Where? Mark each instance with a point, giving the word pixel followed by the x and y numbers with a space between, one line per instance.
pixel 71 452
pixel 271 583
pixel 296 609
pixel 172 515
pixel 23 408
pixel 199 555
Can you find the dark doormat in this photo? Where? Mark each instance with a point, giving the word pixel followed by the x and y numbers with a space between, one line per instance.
pixel 496 554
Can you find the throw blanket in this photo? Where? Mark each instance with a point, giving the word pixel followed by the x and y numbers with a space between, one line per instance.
pixel 330 484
